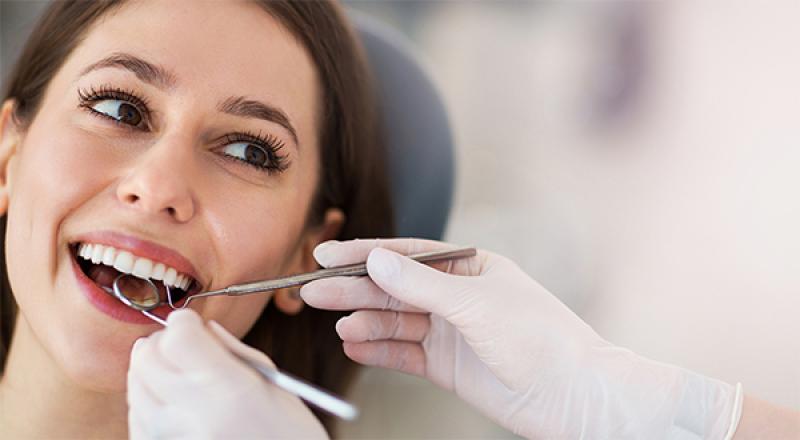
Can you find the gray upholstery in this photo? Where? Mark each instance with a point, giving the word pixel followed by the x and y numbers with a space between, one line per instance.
pixel 420 141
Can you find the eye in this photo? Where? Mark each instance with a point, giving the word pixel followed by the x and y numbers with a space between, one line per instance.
pixel 118 110
pixel 120 105
pixel 247 152
pixel 260 151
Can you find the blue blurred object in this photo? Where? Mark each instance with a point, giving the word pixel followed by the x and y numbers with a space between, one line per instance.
pixel 420 141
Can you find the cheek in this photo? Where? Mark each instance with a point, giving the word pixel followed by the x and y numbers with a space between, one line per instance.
pixel 57 169
pixel 42 183
pixel 56 172
pixel 258 238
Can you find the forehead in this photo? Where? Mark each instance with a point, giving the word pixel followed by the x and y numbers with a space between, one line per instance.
pixel 215 49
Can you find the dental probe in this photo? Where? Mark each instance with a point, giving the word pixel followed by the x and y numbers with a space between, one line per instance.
pixel 350 270
pixel 306 391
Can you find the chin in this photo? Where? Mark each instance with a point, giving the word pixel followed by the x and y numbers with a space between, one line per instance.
pixel 71 340
pixel 87 353
pixel 95 367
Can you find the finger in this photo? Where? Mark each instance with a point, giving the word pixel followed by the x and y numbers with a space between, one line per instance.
pixel 189 344
pixel 337 253
pixel 182 423
pixel 449 296
pixel 371 325
pixel 141 400
pixel 351 293
pixel 138 426
pixel 145 411
pixel 253 355
pixel 407 357
pixel 143 405
pixel 188 378
pixel 146 359
pixel 161 379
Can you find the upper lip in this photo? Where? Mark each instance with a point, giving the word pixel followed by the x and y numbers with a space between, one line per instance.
pixel 143 248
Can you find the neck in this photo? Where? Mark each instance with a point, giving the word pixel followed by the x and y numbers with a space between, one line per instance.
pixel 38 401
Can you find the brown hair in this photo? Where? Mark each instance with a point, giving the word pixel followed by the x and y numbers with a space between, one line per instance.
pixel 352 175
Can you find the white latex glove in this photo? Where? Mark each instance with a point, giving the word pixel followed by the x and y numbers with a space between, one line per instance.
pixel 184 383
pixel 503 343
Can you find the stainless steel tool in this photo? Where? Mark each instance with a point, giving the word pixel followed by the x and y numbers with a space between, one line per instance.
pixel 358 269
pixel 306 391
pixel 147 298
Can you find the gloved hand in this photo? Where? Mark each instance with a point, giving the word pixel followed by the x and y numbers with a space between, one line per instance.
pixel 184 383
pixel 482 328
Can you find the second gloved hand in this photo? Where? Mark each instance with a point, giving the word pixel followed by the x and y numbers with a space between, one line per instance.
pixel 484 329
pixel 184 383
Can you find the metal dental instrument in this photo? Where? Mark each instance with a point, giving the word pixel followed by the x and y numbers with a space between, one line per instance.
pixel 145 303
pixel 148 298
pixel 350 270
pixel 306 391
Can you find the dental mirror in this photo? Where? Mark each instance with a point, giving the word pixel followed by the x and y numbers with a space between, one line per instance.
pixel 142 295
pixel 139 294
pixel 136 293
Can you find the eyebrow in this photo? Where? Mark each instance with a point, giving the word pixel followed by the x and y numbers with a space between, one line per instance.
pixel 145 71
pixel 164 79
pixel 248 108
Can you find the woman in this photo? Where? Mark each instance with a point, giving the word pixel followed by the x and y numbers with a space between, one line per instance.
pixel 199 144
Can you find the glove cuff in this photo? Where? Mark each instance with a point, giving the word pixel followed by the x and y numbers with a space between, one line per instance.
pixel 707 408
pixel 642 398
pixel 736 415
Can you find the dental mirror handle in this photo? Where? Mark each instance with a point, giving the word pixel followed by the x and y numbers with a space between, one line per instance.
pixel 306 391
pixel 350 270
pixel 300 388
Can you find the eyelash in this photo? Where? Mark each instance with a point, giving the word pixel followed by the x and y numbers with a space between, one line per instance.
pixel 87 97
pixel 269 143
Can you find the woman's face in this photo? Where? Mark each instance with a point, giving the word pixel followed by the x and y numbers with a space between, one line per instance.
pixel 185 135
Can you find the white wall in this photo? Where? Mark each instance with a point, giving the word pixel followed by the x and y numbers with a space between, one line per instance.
pixel 641 161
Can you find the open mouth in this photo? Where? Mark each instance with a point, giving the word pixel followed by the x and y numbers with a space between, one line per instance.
pixel 103 264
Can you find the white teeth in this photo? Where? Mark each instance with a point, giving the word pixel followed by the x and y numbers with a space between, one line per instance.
pixel 183 281
pixel 108 256
pixel 142 268
pixel 169 276
pixel 97 253
pixel 158 271
pixel 126 262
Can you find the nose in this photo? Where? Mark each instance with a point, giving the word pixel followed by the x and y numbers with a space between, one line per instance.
pixel 159 182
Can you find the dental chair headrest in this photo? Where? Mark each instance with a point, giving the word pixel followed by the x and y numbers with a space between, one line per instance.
pixel 420 144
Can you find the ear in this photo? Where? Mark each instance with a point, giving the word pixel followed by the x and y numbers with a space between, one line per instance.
pixel 288 300
pixel 9 141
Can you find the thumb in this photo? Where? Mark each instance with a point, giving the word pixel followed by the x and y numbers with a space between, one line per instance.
pixel 418 284
pixel 187 344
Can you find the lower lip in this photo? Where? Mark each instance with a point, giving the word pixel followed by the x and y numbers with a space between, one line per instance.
pixel 110 305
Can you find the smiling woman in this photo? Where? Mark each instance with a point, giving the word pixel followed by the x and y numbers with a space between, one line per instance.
pixel 131 142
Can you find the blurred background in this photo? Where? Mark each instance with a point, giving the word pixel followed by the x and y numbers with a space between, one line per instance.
pixel 639 159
